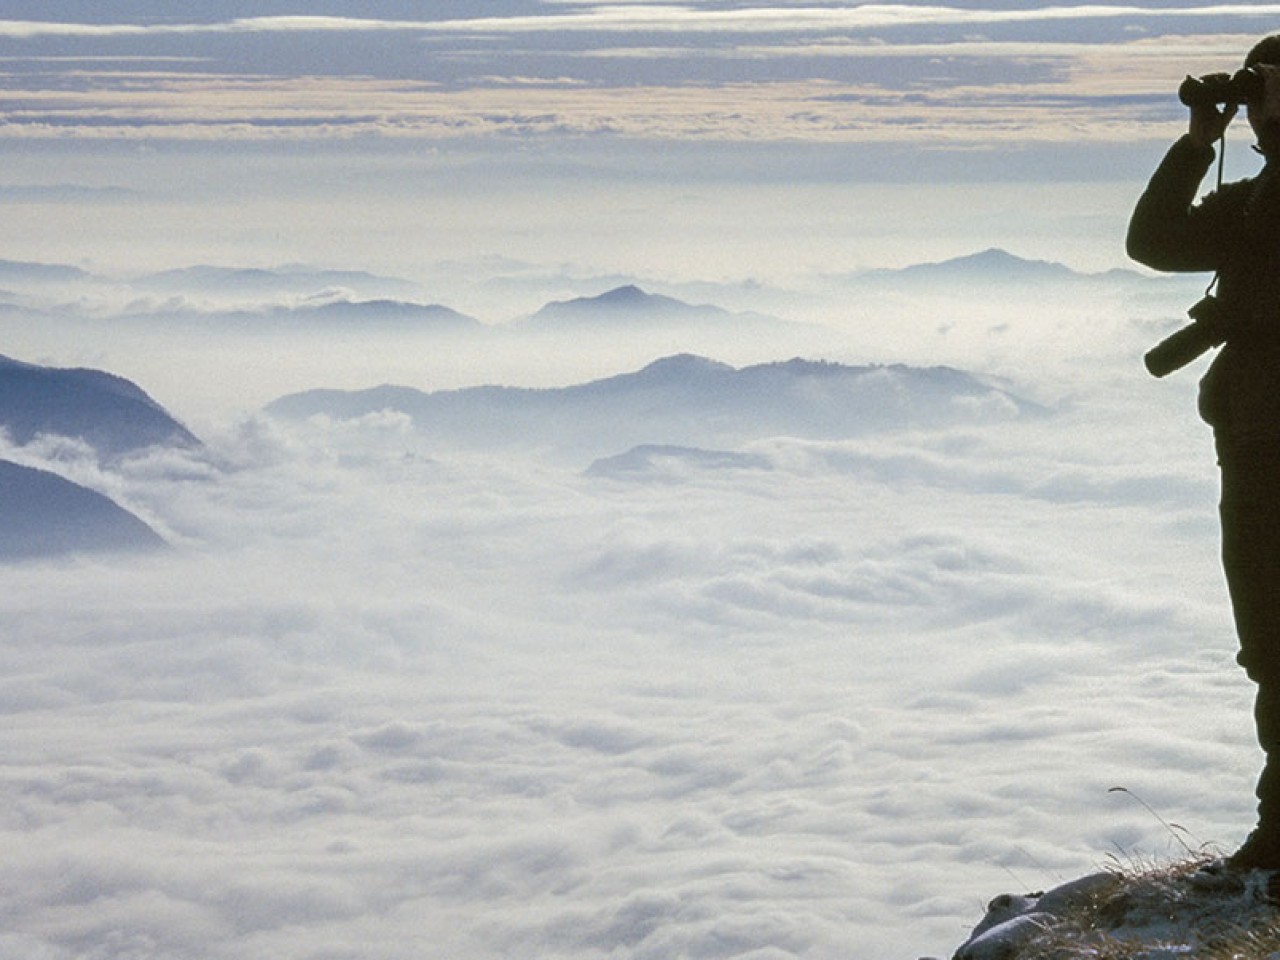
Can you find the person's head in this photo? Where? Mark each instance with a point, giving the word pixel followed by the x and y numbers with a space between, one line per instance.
pixel 1264 112
pixel 1266 50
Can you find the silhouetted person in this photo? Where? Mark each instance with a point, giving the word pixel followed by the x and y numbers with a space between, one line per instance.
pixel 1235 231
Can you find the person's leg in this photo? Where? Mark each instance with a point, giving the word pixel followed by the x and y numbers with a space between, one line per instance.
pixel 1251 561
pixel 1267 718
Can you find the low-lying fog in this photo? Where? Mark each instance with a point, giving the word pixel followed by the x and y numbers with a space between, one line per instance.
pixel 387 697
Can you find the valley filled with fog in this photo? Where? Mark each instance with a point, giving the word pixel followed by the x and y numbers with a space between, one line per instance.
pixel 628 621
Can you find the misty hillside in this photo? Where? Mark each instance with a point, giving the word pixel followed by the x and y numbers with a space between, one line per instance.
pixel 993 267
pixel 420 315
pixel 21 272
pixel 348 314
pixel 323 313
pixel 278 281
pixel 683 400
pixel 623 302
pixel 649 461
pixel 108 412
pixel 628 306
pixel 248 299
pixel 43 515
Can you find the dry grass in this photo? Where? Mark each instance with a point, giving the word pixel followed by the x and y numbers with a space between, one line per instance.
pixel 1164 912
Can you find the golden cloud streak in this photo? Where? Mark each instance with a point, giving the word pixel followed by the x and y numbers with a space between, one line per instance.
pixel 657 17
pixel 630 17
pixel 207 107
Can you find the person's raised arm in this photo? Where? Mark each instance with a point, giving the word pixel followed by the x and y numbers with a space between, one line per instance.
pixel 1165 232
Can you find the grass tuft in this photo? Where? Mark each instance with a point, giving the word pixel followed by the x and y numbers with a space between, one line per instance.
pixel 1162 912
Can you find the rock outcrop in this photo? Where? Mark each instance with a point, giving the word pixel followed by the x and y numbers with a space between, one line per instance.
pixel 1195 908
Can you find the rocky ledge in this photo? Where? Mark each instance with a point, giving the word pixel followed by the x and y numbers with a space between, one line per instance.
pixel 1190 909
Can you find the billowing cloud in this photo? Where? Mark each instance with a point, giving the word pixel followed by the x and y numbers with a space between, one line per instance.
pixel 814 698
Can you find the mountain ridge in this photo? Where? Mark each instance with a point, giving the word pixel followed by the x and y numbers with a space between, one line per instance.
pixel 296 291
pixel 995 265
pixel 285 279
pixel 628 306
pixel 112 414
pixel 31 271
pixel 44 515
pixel 681 400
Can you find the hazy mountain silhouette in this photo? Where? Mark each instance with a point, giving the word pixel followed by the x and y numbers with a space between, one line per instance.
pixel 20 272
pixel 320 314
pixel 110 413
pixel 421 316
pixel 278 281
pixel 625 302
pixel 994 267
pixel 44 515
pixel 683 400
pixel 651 460
pixel 628 307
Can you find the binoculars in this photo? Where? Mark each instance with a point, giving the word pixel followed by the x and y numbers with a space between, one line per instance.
pixel 1223 88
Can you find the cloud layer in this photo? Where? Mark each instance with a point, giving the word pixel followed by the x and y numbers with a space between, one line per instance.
pixel 818 698
pixel 849 74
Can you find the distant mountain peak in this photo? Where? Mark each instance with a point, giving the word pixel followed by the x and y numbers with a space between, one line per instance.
pixel 12 271
pixel 684 400
pixel 993 264
pixel 270 281
pixel 625 297
pixel 45 515
pixel 630 295
pixel 384 310
pixel 684 364
pixel 113 415
pixel 648 461
pixel 626 303
pixel 997 256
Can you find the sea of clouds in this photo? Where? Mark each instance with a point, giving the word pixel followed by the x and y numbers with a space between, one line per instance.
pixel 388 699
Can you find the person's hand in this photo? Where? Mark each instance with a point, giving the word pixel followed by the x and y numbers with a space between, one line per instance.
pixel 1209 123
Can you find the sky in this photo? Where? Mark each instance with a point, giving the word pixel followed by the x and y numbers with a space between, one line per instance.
pixel 931 75
pixel 386 697
pixel 483 129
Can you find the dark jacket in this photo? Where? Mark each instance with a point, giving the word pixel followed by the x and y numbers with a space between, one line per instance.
pixel 1234 231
